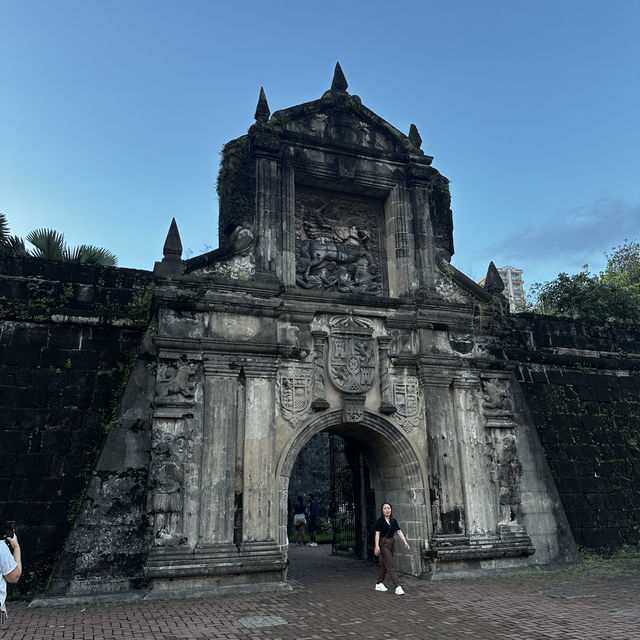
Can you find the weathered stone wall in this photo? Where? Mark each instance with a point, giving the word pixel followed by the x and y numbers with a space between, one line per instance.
pixel 68 337
pixel 582 386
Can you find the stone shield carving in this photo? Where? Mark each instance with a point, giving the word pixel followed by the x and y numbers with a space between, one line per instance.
pixel 295 394
pixel 352 363
pixel 407 403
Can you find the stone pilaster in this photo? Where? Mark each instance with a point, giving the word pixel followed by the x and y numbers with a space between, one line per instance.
pixel 447 499
pixel 217 497
pixel 267 150
pixel 399 231
pixel 475 464
pixel 259 506
pixel 423 236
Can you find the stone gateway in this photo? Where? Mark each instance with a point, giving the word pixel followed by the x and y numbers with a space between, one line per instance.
pixel 331 305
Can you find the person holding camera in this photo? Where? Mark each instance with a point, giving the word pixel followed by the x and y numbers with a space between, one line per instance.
pixel 10 567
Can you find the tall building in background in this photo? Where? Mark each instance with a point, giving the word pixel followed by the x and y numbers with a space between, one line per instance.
pixel 513 286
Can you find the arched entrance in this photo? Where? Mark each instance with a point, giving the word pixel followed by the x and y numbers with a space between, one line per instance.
pixel 397 476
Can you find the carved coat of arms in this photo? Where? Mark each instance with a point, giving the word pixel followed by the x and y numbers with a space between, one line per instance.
pixel 352 361
pixel 295 394
pixel 407 404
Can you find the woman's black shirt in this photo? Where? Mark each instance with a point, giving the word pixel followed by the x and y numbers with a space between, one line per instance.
pixel 387 530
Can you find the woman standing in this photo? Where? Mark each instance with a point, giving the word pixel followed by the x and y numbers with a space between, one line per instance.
pixel 299 520
pixel 386 528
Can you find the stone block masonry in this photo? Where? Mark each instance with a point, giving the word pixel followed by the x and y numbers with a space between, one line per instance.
pixel 68 336
pixel 582 385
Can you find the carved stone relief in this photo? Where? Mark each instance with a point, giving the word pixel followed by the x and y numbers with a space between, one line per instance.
pixel 176 383
pixel 406 397
pixel 234 268
pixel 352 359
pixel 166 479
pixel 496 401
pixel 338 243
pixel 294 385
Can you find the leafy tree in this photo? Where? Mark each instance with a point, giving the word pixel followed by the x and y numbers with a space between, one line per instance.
pixel 612 295
pixel 51 245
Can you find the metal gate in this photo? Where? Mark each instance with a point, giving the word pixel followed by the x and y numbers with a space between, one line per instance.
pixel 347 487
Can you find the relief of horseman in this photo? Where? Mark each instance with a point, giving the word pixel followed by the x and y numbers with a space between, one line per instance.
pixel 322 250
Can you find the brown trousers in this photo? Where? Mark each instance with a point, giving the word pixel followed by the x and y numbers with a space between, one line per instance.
pixel 386 561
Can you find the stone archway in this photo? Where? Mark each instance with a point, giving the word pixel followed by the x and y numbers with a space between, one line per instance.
pixel 396 472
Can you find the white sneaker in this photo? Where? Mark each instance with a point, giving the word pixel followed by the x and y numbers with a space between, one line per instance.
pixel 399 591
pixel 313 544
pixel 381 587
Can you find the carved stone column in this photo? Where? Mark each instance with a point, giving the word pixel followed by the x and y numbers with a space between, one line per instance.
pixel 217 494
pixel 447 499
pixel 259 506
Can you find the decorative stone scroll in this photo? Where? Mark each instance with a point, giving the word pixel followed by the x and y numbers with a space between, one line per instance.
pixel 295 394
pixel 351 360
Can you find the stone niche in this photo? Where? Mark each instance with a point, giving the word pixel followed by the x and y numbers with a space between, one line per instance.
pixel 331 306
pixel 339 242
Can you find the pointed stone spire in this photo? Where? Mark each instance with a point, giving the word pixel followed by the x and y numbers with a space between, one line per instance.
pixel 339 81
pixel 172 249
pixel 171 264
pixel 493 283
pixel 414 136
pixel 262 110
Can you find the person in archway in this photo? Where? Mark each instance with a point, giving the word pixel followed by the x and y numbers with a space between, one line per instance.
pixel 386 527
pixel 299 520
pixel 312 521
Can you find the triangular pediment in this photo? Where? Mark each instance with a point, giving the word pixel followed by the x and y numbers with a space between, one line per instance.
pixel 340 119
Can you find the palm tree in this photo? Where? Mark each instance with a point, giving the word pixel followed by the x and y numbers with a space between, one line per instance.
pixel 51 245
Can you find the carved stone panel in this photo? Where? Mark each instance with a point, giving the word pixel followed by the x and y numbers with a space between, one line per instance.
pixel 496 402
pixel 339 244
pixel 406 399
pixel 352 359
pixel 295 394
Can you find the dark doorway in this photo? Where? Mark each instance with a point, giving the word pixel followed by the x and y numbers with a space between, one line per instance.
pixel 332 468
pixel 351 499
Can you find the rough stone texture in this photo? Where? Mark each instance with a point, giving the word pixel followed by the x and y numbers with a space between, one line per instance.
pixel 582 385
pixel 305 322
pixel 68 334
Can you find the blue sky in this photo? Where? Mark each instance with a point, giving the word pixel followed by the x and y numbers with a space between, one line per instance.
pixel 113 114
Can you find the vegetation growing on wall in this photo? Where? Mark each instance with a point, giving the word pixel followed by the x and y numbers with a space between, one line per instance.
pixel 234 185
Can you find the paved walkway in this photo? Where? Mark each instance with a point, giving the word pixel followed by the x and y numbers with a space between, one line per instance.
pixel 333 598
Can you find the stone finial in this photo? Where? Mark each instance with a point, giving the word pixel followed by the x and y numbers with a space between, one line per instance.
pixel 262 110
pixel 414 136
pixel 339 81
pixel 171 264
pixel 493 283
pixel 172 249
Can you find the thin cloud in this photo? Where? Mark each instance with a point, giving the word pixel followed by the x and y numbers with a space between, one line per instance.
pixel 584 231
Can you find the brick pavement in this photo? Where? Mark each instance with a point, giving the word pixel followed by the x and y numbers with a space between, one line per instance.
pixel 333 598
